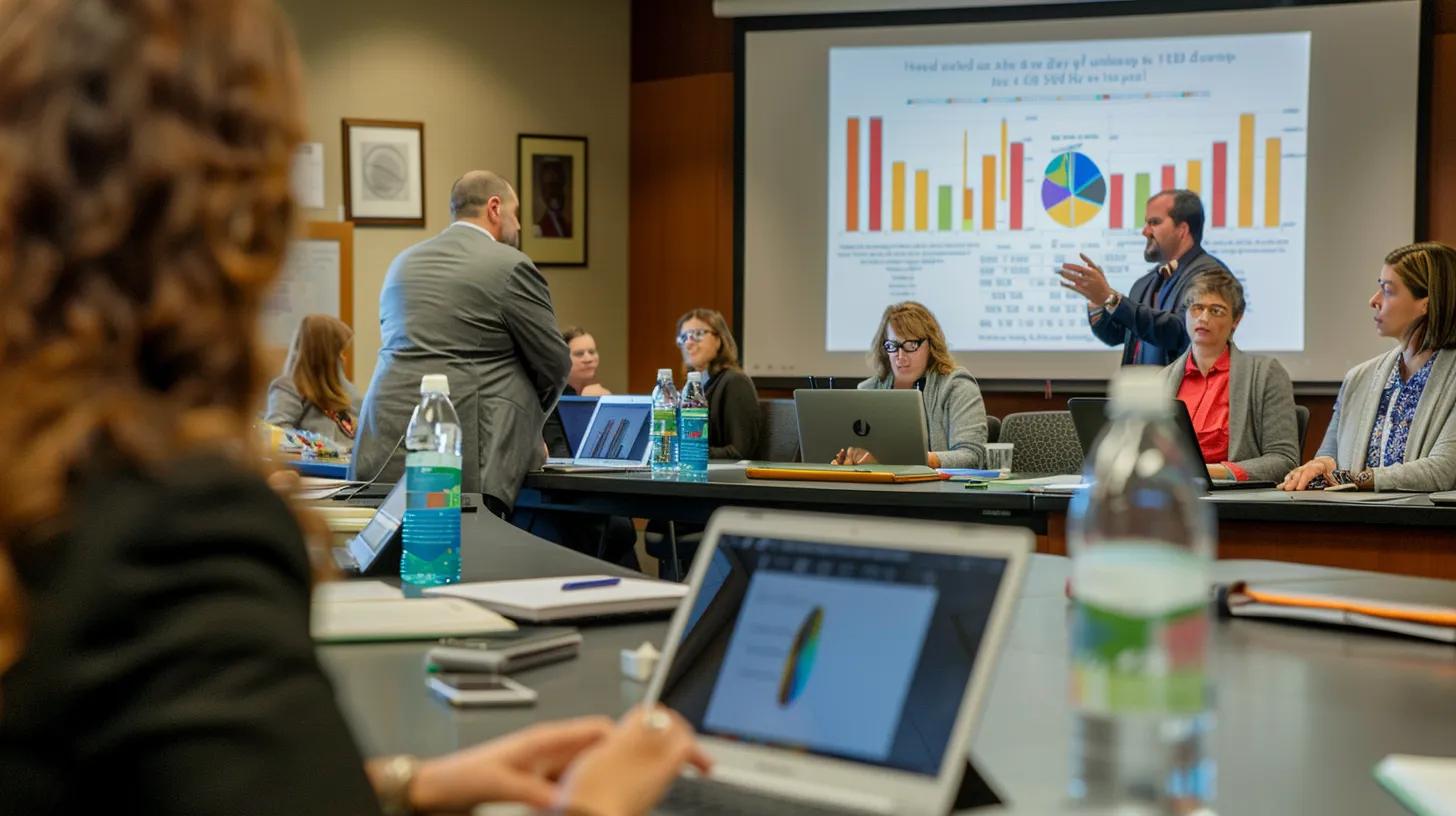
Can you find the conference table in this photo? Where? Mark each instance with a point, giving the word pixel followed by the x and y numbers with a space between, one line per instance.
pixel 1405 535
pixel 1304 712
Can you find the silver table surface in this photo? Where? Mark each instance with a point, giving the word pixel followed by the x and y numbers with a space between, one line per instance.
pixel 1304 713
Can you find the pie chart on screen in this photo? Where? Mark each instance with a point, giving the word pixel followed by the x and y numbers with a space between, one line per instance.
pixel 802 654
pixel 1073 189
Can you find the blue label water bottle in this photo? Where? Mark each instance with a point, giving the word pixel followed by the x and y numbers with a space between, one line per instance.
pixel 692 430
pixel 432 488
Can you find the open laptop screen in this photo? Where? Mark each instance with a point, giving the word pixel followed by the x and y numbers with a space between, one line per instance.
pixel 851 652
pixel 576 413
pixel 619 431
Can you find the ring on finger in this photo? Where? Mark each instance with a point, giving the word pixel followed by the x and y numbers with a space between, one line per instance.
pixel 658 720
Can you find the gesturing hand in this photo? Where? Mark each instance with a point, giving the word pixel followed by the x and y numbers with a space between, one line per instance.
pixel 1087 280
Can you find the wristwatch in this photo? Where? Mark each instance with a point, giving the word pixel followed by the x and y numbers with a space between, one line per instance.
pixel 1111 302
pixel 393 784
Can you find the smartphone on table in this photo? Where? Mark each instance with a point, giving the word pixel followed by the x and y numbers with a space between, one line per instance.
pixel 467 690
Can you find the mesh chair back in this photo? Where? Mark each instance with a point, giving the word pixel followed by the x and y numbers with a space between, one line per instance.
pixel 1046 442
pixel 781 430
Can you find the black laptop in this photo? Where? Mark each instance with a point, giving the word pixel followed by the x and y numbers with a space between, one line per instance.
pixel 1089 415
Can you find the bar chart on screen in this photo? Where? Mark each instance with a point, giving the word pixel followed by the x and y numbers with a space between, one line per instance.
pixel 963 176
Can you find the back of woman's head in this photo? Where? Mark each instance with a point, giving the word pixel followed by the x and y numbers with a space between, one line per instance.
pixel 911 321
pixel 1428 269
pixel 144 207
pixel 314 361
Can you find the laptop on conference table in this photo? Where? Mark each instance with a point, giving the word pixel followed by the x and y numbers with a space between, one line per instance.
pixel 888 423
pixel 834 662
pixel 615 439
pixel 1089 415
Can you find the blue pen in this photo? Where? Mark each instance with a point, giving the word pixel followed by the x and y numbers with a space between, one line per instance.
pixel 590 583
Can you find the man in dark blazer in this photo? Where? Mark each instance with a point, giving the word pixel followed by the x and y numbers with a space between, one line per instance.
pixel 1148 321
pixel 467 304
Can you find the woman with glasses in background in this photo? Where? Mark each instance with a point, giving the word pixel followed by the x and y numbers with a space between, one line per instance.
pixel 909 351
pixel 735 426
pixel 1242 405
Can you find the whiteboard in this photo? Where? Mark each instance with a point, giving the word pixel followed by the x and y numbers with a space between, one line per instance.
pixel 307 284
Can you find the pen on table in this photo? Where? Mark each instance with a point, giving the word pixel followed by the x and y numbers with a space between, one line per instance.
pixel 590 583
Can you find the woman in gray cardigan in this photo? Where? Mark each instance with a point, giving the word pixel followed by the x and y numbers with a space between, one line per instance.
pixel 1393 426
pixel 909 351
pixel 313 394
pixel 1242 405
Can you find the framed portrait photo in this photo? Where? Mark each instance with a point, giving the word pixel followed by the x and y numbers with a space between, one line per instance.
pixel 384 172
pixel 552 175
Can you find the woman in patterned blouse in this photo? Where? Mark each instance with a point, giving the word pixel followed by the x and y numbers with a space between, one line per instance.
pixel 1392 427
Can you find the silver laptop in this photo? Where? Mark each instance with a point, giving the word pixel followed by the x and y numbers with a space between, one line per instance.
pixel 888 423
pixel 616 437
pixel 836 662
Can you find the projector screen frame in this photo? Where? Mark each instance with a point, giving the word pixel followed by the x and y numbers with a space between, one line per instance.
pixel 743 26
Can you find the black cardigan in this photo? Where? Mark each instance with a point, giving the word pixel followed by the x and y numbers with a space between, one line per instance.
pixel 735 425
pixel 168 667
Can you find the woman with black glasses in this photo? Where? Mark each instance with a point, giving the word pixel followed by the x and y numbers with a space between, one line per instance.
pixel 909 351
pixel 735 426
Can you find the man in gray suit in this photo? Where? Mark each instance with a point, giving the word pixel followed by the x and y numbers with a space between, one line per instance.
pixel 1148 322
pixel 466 303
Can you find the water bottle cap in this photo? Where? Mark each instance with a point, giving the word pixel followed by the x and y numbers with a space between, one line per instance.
pixel 435 384
pixel 1140 390
pixel 695 376
pixel 664 372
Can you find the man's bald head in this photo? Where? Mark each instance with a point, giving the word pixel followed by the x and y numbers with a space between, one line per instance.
pixel 487 200
pixel 472 191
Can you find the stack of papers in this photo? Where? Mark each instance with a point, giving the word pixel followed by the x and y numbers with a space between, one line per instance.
pixel 352 611
pixel 1425 785
pixel 539 600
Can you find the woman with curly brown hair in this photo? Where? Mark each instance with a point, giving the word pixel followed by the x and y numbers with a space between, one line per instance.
pixel 313 394
pixel 154 593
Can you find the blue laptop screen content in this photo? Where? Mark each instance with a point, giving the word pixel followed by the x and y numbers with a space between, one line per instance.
pixel 575 413
pixel 618 431
pixel 861 654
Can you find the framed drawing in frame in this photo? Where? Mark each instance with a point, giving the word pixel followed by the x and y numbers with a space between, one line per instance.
pixel 384 172
pixel 551 171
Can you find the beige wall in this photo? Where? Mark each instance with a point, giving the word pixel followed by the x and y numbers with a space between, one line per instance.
pixel 477 73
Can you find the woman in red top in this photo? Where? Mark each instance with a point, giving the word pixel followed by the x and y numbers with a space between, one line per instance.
pixel 1242 405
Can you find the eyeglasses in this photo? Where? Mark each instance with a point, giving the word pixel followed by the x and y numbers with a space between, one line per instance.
pixel 695 335
pixel 1213 309
pixel 910 346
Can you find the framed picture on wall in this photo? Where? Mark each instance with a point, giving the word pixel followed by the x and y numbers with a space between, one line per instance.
pixel 384 172
pixel 551 171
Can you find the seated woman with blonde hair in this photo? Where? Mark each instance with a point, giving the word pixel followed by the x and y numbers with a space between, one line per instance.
pixel 1242 405
pixel 1393 426
pixel 909 351
pixel 313 394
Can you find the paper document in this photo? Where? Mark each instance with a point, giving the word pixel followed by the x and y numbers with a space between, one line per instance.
pixel 402 619
pixel 1425 785
pixel 546 599
pixel 340 591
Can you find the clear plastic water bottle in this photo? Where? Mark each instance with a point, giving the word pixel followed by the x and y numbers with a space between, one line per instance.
pixel 664 426
pixel 432 488
pixel 1141 542
pixel 692 430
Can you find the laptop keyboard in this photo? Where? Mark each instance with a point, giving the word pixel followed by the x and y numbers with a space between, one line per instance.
pixel 708 797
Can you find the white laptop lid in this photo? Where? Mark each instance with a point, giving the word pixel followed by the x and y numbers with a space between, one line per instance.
pixel 618 433
pixel 841 656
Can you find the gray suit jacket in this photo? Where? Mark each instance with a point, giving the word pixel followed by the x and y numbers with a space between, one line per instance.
pixel 288 409
pixel 1430 449
pixel 1263 430
pixel 478 311
pixel 956 414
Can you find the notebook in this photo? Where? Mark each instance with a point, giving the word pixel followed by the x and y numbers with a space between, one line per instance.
pixel 1425 785
pixel 809 472
pixel 370 617
pixel 837 662
pixel 616 438
pixel 540 600
pixel 1417 620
